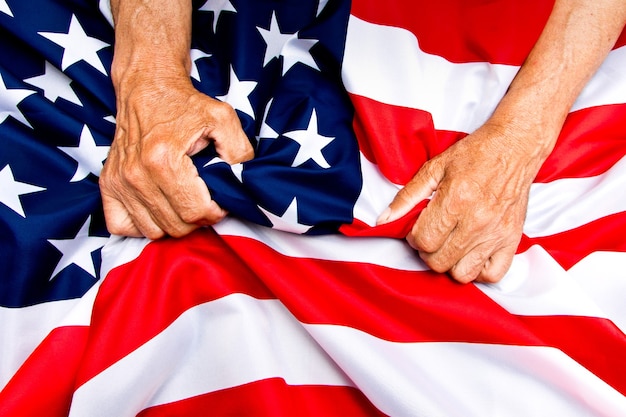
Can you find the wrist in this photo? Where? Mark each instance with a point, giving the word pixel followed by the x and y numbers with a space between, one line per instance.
pixel 532 124
pixel 133 70
pixel 152 40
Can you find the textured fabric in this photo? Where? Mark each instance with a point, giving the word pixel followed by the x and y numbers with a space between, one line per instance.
pixel 297 304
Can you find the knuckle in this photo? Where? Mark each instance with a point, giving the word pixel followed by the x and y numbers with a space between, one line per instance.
pixel 224 110
pixel 428 236
pixel 468 268
pixel 435 262
pixel 154 234
pixel 134 175
pixel 156 155
pixel 104 181
pixel 490 276
pixel 220 114
pixel 114 227
pixel 463 277
pixel 496 268
pixel 424 243
pixel 180 230
pixel 191 215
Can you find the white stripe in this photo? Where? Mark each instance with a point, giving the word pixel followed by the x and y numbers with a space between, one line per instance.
pixel 608 85
pixel 221 344
pixel 376 193
pixel 467 379
pixel 120 250
pixel 392 253
pixel 602 276
pixel 568 203
pixel 536 285
pixel 460 96
pixel 239 339
pixel 23 329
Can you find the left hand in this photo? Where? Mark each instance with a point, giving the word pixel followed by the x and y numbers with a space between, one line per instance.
pixel 473 224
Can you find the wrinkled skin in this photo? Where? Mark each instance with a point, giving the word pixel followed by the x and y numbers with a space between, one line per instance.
pixel 149 184
pixel 473 224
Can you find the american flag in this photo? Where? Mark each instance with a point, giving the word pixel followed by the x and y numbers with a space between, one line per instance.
pixel 297 304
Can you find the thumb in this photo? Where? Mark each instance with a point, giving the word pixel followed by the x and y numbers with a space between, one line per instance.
pixel 421 187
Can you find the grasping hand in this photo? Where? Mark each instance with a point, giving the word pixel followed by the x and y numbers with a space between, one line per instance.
pixel 473 224
pixel 149 184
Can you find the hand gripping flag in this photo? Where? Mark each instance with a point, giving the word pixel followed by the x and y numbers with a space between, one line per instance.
pixel 272 312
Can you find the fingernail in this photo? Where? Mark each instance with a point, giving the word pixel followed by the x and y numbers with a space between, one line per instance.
pixel 384 216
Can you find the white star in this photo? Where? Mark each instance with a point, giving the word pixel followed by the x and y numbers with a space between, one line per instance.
pixel 213 161
pixel 110 119
pixel 78 250
pixel 105 9
pixel 320 7
pixel 9 99
pixel 77 46
pixel 54 84
pixel 88 155
pixel 298 50
pixel 266 131
pixel 237 171
pixel 11 190
pixel 289 220
pixel 196 54
pixel 311 144
pixel 274 39
pixel 4 8
pixel 238 93
pixel 217 7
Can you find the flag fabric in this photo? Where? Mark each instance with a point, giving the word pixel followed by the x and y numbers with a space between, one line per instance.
pixel 297 304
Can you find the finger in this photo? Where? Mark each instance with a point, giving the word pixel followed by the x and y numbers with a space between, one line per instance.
pixel 189 197
pixel 471 264
pixel 239 149
pixel 438 228
pixel 497 265
pixel 227 134
pixel 118 219
pixel 156 217
pixel 442 251
pixel 421 186
pixel 140 190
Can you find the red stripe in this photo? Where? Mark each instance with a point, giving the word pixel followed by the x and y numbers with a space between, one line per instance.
pixel 500 32
pixel 570 247
pixel 391 304
pixel 603 355
pixel 140 299
pixel 398 139
pixel 591 142
pixel 400 306
pixel 271 397
pixel 398 229
pixel 407 306
pixel 44 384
pixel 621 41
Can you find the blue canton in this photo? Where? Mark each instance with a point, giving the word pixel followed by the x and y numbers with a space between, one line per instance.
pixel 278 63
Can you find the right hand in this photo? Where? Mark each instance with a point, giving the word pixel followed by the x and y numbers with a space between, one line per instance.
pixel 149 184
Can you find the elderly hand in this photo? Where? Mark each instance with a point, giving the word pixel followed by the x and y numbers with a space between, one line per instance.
pixel 473 224
pixel 149 184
